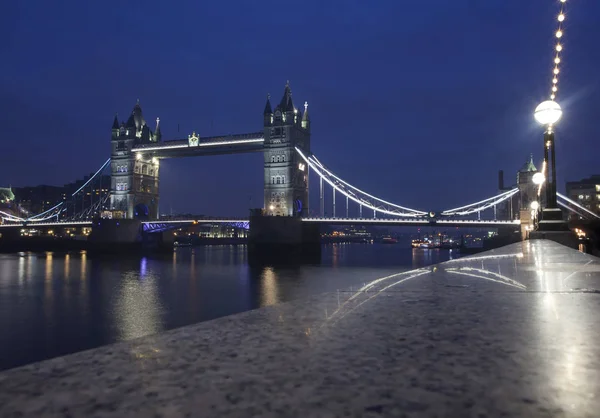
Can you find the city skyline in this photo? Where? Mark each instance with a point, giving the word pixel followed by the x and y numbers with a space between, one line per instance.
pixel 379 90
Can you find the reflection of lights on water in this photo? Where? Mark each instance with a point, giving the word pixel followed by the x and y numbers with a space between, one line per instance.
pixel 193 264
pixel 67 265
pixel 48 272
pixel 174 263
pixel 21 273
pixel 269 290
pixel 83 265
pixel 143 267
pixel 138 309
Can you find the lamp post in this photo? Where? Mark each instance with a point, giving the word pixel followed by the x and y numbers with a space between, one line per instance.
pixel 547 114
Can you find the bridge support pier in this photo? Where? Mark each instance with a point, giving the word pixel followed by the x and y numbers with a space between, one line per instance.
pixel 283 239
pixel 116 235
pixel 127 235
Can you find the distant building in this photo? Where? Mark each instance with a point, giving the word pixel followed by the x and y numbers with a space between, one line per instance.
pixel 586 192
pixel 37 199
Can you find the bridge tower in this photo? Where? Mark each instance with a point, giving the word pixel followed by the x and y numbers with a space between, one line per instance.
pixel 286 175
pixel 527 190
pixel 527 194
pixel 134 181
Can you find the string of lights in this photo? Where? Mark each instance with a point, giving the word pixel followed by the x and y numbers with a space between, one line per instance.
pixel 558 49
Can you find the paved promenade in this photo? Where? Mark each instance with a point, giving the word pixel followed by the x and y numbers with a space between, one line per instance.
pixel 513 332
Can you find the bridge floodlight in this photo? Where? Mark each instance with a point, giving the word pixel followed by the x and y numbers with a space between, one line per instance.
pixel 548 113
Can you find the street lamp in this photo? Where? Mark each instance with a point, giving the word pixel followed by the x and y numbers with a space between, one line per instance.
pixel 547 114
pixel 538 178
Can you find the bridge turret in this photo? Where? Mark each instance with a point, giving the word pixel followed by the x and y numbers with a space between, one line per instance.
pixel 157 133
pixel 268 113
pixel 115 127
pixel 306 118
pixel 286 107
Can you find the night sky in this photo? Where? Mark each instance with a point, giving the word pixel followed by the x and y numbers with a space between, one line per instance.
pixel 419 102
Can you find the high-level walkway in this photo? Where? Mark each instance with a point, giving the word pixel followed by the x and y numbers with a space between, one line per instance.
pixel 511 332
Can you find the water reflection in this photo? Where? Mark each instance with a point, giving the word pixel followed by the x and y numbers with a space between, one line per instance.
pixel 54 303
pixel 269 294
pixel 67 266
pixel 138 309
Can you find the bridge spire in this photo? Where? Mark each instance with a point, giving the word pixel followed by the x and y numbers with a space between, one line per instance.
pixel 305 117
pixel 157 132
pixel 268 109
pixel 115 124
pixel 286 104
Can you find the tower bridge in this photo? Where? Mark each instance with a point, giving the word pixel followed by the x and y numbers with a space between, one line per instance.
pixel 288 162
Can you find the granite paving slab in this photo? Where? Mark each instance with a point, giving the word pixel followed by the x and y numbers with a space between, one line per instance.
pixel 512 332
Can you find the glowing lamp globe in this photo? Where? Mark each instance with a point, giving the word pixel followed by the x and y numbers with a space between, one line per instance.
pixel 548 112
pixel 534 205
pixel 538 178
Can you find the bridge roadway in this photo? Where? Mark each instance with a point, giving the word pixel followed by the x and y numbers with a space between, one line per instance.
pixel 468 223
pixel 214 145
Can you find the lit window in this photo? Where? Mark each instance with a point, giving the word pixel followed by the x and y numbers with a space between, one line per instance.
pixel 580 197
pixel 598 187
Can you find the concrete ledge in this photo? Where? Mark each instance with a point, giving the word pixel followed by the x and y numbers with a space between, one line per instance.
pixel 509 332
pixel 567 238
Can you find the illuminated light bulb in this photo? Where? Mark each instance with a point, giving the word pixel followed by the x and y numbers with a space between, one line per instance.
pixel 538 178
pixel 547 113
pixel 561 17
pixel 556 71
pixel 555 80
pixel 559 47
pixel 553 96
pixel 554 89
pixel 562 1
pixel 559 34
pixel 557 60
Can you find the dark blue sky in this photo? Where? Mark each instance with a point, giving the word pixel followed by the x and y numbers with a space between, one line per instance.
pixel 417 102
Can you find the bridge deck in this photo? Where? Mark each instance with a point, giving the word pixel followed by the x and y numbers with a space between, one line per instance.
pixel 509 332
pixel 214 145
pixel 467 223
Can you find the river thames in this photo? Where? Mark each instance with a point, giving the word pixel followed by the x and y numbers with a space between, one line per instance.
pixel 52 304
